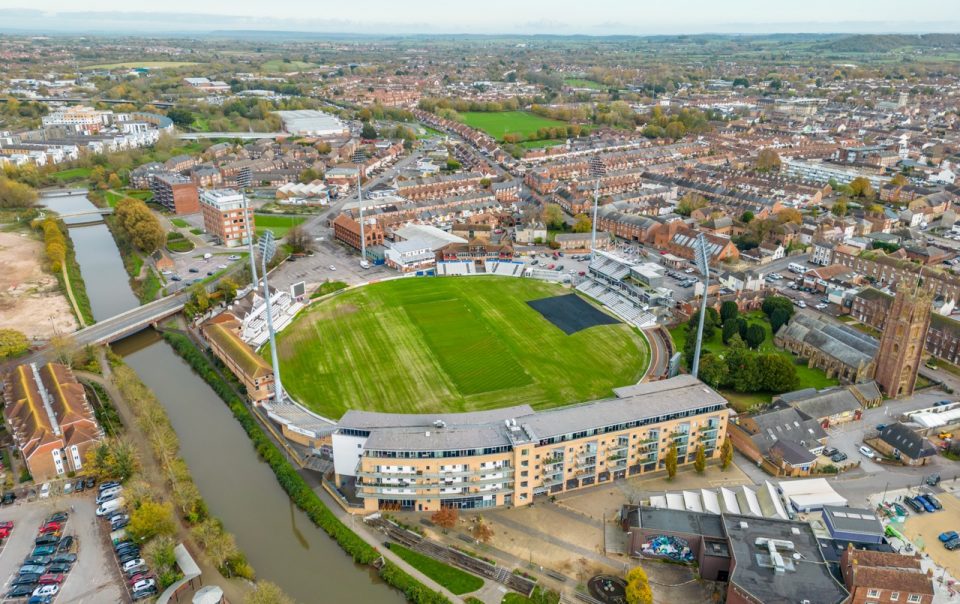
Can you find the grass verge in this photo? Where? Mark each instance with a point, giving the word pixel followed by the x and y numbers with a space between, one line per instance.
pixel 76 280
pixel 295 486
pixel 456 580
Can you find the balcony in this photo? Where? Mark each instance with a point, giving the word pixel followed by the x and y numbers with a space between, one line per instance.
pixel 552 462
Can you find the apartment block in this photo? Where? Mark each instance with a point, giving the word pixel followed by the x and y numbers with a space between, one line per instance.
pixel 508 456
pixel 175 193
pixel 225 216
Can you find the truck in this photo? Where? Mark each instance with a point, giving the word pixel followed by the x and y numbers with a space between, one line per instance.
pixel 793 267
pixel 364 264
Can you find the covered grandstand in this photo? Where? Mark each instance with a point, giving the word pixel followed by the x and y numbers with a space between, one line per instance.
pixel 611 281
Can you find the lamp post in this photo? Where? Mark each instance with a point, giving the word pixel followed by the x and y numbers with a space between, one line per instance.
pixel 702 259
pixel 268 247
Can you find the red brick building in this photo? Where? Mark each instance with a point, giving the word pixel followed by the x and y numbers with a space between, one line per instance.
pixel 347 230
pixel 882 577
pixel 176 193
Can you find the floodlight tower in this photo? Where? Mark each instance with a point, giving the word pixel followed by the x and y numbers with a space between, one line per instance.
pixel 246 222
pixel 268 247
pixel 358 158
pixel 596 170
pixel 701 255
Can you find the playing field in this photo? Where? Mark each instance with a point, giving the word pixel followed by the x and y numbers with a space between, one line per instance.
pixel 500 123
pixel 446 345
pixel 143 65
pixel 278 224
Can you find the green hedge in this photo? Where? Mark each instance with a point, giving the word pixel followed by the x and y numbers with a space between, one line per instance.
pixel 296 487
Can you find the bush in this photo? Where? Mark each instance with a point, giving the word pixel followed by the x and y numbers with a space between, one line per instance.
pixel 295 486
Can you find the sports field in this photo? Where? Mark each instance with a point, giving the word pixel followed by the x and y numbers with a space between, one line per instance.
pixel 447 345
pixel 500 123
pixel 279 224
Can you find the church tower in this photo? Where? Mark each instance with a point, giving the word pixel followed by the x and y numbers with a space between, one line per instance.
pixel 901 344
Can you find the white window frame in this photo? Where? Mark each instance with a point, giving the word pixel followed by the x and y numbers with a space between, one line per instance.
pixel 915 598
pixel 873 593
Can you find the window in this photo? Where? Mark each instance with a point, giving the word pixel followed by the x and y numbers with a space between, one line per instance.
pixel 873 593
pixel 894 596
pixel 914 598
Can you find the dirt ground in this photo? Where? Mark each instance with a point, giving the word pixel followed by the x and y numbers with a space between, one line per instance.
pixel 30 299
pixel 923 530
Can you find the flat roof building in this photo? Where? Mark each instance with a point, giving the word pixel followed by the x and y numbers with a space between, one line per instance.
pixel 308 122
pixel 224 216
pixel 175 192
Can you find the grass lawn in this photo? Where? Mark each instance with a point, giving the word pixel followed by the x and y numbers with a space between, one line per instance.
pixel 808 377
pixel 456 580
pixel 497 124
pixel 449 345
pixel 281 66
pixel 144 64
pixel 72 174
pixel 278 224
pixel 581 83
pixel 180 223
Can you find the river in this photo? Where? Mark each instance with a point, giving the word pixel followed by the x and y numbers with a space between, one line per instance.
pixel 280 541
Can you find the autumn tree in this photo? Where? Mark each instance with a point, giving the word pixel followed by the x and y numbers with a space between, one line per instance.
pixel 789 215
pixel 446 518
pixel 552 216
pixel 139 225
pixel 12 343
pixel 114 181
pixel 638 587
pixel 299 239
pixel 899 180
pixel 861 187
pixel 481 531
pixel 64 348
pixel 767 160
pixel 227 289
pixel 113 459
pixel 266 592
pixel 15 194
pixel 726 453
pixel 839 208
pixel 150 520
pixel 309 175
pixel 582 224
pixel 690 202
pixel 700 461
pixel 670 461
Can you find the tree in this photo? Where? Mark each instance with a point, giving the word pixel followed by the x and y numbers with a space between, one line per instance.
pixel 746 217
pixel 299 239
pixel 789 215
pixel 582 224
pixel 899 180
pixel 729 310
pixel 670 461
pixel 638 587
pixel 767 160
pixel 15 194
pixel 755 335
pixel 12 343
pixel 700 461
pixel 552 216
pixel 714 370
pixel 774 302
pixel 861 187
pixel 731 327
pixel 266 592
pixel 139 224
pixel 150 520
pixel 309 175
pixel 726 453
pixel 368 132
pixel 446 518
pixel 778 319
pixel 114 181
pixel 180 116
pixel 481 531
pixel 452 164
pixel 690 202
pixel 839 208
pixel 778 372
pixel 228 289
pixel 199 298
pixel 64 347
pixel 710 323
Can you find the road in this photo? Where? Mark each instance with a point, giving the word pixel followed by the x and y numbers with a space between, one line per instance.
pixel 659 353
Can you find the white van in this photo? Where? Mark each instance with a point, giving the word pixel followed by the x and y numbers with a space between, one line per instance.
pixel 108 494
pixel 207 256
pixel 796 268
pixel 111 506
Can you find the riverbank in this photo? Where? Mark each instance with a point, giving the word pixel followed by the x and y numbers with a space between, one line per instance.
pixel 145 283
pixel 31 300
pixel 359 545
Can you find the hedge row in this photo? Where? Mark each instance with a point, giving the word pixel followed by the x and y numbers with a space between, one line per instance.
pixel 295 486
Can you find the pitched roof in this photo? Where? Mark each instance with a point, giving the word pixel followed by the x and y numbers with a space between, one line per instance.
pixel 887 570
pixel 226 338
pixel 902 438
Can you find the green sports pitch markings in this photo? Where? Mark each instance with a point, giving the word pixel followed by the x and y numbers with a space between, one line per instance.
pixel 435 345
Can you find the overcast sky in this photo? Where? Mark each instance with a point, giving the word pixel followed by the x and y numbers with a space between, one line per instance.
pixel 600 17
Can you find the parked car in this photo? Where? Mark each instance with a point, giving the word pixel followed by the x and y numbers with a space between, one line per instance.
pixel 867 451
pixel 119 521
pixel 67 488
pixel 65 544
pixel 941 403
pixel 27 579
pixel 50 527
pixel 332 267
pixel 128 557
pixel 45 550
pixel 948 536
pixel 46 590
pixel 233 257
pixel 60 567
pixel 829 451
pixel 31 569
pixel 135 578
pixel 952 544
pixel 932 500
pixel 193 269
pixel 8 498
pixel 901 511
pixel 135 570
pixel 60 517
pixel 913 505
pixel 48 539
pixel 45 490
pixel 881 427
pixel 926 505
pixel 132 564
pixel 69 558
pixel 79 486
pixel 131 548
pixel 21 591
pixel 51 579
pixel 145 593
pixel 90 482
pixel 6 524
pixel 144 584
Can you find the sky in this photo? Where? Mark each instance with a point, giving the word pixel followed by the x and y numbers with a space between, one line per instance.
pixel 592 17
